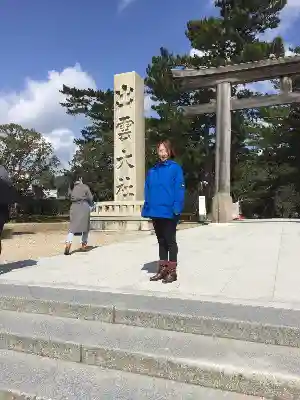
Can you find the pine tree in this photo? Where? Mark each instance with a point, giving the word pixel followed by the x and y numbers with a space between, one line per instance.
pixel 94 158
pixel 232 37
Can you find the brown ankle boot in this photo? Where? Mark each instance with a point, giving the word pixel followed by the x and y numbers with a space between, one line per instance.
pixel 171 274
pixel 67 249
pixel 162 265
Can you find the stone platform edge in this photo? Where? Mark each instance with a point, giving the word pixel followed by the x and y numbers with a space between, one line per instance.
pixel 249 323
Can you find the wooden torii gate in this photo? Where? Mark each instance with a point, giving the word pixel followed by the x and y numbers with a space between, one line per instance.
pixel 222 78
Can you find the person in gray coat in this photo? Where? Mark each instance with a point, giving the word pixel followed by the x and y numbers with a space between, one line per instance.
pixel 82 201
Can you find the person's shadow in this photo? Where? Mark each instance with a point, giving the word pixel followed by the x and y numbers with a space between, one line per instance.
pixel 87 250
pixel 150 267
pixel 5 268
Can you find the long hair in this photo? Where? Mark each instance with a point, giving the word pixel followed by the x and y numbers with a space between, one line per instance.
pixel 169 147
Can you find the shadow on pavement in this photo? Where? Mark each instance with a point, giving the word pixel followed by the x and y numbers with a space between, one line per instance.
pixel 23 233
pixel 150 267
pixel 10 233
pixel 87 250
pixel 5 268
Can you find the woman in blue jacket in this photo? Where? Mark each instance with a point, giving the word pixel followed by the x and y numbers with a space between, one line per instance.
pixel 164 200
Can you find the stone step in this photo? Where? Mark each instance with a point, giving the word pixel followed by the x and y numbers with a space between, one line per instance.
pixel 233 365
pixel 30 377
pixel 251 323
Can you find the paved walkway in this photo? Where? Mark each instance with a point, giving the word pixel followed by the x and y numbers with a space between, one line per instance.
pixel 253 262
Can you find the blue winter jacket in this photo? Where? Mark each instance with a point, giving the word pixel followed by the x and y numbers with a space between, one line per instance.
pixel 164 191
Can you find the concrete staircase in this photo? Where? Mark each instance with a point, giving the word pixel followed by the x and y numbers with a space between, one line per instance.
pixel 77 344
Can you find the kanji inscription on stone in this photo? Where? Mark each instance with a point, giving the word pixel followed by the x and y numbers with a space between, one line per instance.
pixel 125 187
pixel 123 128
pixel 125 158
pixel 124 96
pixel 129 138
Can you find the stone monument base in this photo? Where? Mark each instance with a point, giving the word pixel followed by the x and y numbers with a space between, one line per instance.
pixel 119 216
pixel 222 208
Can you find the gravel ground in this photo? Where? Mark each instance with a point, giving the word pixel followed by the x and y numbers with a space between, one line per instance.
pixel 31 243
pixel 27 246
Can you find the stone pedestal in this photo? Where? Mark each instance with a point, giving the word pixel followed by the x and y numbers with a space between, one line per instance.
pixel 120 216
pixel 124 213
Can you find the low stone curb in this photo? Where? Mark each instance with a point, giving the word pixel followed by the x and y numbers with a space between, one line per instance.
pixel 198 372
pixel 58 309
pixel 224 328
pixel 283 335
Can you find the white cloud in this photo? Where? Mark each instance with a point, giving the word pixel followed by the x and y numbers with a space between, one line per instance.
pixel 148 103
pixel 38 106
pixel 289 16
pixel 196 53
pixel 62 141
pixel 124 4
pixel 288 52
pixel 265 87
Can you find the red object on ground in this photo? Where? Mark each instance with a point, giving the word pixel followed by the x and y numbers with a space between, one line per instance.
pixel 239 218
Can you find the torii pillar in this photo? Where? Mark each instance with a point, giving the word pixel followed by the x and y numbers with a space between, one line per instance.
pixel 222 201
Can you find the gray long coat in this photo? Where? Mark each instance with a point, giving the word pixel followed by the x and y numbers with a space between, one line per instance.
pixel 81 198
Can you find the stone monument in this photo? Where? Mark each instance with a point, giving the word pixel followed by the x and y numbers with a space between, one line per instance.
pixel 124 213
pixel 129 138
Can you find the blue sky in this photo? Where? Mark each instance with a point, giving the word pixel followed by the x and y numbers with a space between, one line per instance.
pixel 38 36
pixel 45 43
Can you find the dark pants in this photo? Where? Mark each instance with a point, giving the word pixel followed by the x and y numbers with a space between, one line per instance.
pixel 165 230
pixel 4 216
